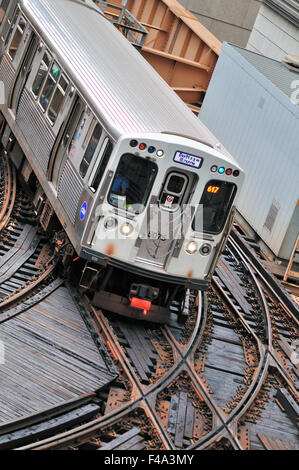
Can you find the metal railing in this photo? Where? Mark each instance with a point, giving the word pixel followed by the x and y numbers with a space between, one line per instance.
pixel 124 21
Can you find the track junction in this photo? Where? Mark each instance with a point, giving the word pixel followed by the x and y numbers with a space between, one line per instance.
pixel 81 378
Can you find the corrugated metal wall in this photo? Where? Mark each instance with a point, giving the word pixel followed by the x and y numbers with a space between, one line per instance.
pixel 259 126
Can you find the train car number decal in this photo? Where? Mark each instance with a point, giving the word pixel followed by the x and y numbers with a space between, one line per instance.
pixel 83 210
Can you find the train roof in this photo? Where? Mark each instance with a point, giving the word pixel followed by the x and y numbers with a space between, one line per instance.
pixel 126 93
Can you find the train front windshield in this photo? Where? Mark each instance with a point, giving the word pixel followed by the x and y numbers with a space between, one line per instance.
pixel 132 184
pixel 214 207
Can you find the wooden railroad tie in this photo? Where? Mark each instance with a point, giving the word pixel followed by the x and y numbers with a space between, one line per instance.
pixel 181 419
pixel 130 440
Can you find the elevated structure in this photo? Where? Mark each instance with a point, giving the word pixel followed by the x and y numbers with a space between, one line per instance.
pixel 125 22
pixel 177 45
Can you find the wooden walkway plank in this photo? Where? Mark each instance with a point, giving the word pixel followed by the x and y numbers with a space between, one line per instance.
pixel 50 358
pixel 270 443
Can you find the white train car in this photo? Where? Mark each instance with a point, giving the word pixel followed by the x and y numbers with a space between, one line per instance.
pixel 135 179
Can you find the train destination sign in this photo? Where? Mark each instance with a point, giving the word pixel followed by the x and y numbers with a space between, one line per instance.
pixel 187 159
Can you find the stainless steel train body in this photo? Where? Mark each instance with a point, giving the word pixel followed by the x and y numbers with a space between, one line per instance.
pixel 116 154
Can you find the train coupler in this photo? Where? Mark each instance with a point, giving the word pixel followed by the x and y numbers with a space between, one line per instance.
pixel 142 296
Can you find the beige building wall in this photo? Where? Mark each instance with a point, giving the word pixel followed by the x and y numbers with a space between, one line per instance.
pixel 228 20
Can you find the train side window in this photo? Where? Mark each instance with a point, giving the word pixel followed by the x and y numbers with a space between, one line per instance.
pixel 41 75
pixel 90 150
pixel 11 22
pixel 214 206
pixel 49 86
pixel 102 165
pixel 3 8
pixel 57 99
pixel 16 39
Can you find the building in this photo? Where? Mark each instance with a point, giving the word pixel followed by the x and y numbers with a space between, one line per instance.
pixel 276 29
pixel 228 20
pixel 252 106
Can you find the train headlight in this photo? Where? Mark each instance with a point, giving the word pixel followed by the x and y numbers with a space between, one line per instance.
pixel 110 223
pixel 127 229
pixel 205 249
pixel 191 248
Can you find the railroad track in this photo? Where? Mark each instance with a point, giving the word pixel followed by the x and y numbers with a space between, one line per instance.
pixel 26 259
pixel 226 379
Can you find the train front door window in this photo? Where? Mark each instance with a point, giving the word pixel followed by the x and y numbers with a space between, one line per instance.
pixel 214 206
pixel 173 191
pixel 132 183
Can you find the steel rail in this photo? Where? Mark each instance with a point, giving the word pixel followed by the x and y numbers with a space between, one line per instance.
pixel 28 289
pixel 139 393
pixel 145 396
pixel 268 279
pixel 10 195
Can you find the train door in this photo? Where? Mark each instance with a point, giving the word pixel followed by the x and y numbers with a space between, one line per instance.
pixel 67 145
pixel 21 77
pixel 165 219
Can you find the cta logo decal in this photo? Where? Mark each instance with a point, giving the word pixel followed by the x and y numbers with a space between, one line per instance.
pixel 83 210
pixel 169 201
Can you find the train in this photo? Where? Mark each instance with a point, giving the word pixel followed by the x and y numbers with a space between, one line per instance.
pixel 143 191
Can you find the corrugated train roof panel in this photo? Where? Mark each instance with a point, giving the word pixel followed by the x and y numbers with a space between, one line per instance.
pixel 103 63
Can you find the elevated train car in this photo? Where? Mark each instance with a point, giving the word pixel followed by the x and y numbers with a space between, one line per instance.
pixel 140 186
